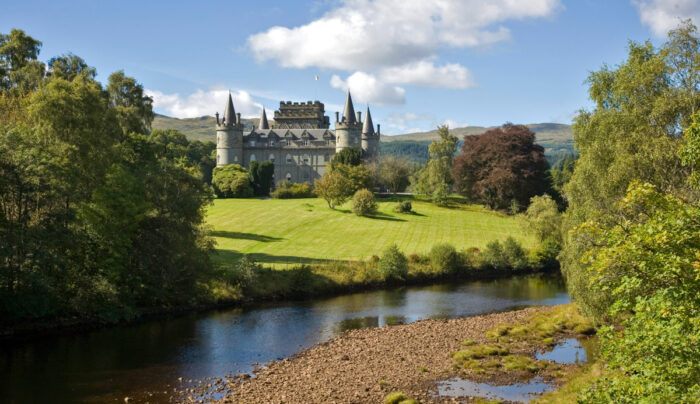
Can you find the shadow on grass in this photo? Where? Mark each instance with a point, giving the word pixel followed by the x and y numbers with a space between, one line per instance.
pixel 244 236
pixel 384 216
pixel 230 257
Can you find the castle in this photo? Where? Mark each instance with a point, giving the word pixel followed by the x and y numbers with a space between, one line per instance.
pixel 300 143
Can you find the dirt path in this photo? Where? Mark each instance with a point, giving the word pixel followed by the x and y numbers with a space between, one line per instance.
pixel 362 366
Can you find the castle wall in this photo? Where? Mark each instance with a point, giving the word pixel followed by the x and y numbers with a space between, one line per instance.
pixel 296 164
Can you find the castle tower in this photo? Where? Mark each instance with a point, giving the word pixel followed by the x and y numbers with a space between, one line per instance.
pixel 370 138
pixel 263 121
pixel 229 136
pixel 348 131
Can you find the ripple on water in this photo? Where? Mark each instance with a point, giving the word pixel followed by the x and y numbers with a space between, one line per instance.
pixel 523 392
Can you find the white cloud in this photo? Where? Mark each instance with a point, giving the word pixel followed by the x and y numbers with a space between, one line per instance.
pixel 367 88
pixel 202 103
pixel 406 122
pixel 664 15
pixel 366 34
pixel 454 124
pixel 425 73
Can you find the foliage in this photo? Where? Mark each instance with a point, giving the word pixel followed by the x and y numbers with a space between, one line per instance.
pixel 393 263
pixel 333 188
pixel 545 255
pixel 514 254
pixel 261 174
pixel 95 222
pixel 394 174
pixel 290 190
pixel 435 176
pixel 690 151
pixel 633 134
pixel 133 108
pixel 363 203
pixel 646 264
pixel 561 171
pixel 440 194
pixel 444 258
pixel 173 145
pixel 543 218
pixel 414 151
pixel 403 207
pixel 357 177
pixel 501 165
pixel 493 256
pixel 349 156
pixel 232 181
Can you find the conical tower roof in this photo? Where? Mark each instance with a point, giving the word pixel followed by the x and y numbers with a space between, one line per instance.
pixel 368 127
pixel 230 113
pixel 263 121
pixel 349 112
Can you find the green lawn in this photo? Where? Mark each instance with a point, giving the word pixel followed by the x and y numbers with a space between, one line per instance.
pixel 305 230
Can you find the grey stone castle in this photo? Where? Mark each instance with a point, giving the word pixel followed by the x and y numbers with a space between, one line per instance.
pixel 300 142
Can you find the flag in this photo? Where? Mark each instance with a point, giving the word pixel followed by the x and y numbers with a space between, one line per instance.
pixel 316 77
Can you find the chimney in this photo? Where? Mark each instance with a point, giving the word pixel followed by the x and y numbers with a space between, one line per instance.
pixel 238 117
pixel 359 115
pixel 378 131
pixel 217 119
pixel 336 116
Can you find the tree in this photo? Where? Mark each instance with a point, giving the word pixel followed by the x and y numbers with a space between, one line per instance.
pixel 357 177
pixel 393 264
pixel 134 109
pixel 634 133
pixel 17 49
pixel 363 203
pixel 333 187
pixel 500 166
pixel 543 218
pixel 261 174
pixel 435 176
pixel 394 174
pixel 69 66
pixel 561 171
pixel 232 181
pixel 351 156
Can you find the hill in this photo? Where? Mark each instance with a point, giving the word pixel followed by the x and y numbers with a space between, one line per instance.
pixel 201 128
pixel 296 231
pixel 556 138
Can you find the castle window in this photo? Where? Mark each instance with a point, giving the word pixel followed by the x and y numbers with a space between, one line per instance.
pixel 252 157
pixel 289 159
pixel 288 142
pixel 272 158
pixel 289 177
pixel 235 159
pixel 252 143
pixel 306 142
pixel 306 160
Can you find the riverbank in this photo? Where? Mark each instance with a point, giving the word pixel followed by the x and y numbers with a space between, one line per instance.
pixel 311 284
pixel 363 366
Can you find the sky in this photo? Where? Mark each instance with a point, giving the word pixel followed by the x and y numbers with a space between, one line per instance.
pixel 416 63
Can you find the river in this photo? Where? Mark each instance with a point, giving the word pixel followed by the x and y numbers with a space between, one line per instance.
pixel 145 360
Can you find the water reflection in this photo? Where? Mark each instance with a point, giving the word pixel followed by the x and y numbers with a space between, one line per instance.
pixel 522 392
pixel 571 350
pixel 148 358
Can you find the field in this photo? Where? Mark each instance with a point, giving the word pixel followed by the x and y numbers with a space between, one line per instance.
pixel 279 232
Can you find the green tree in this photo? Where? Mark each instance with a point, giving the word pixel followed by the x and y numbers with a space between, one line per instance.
pixel 133 108
pixel 393 264
pixel 543 218
pixel 70 66
pixel 437 173
pixel 232 181
pixel 395 173
pixel 633 133
pixel 363 203
pixel 261 177
pixel 357 177
pixel 17 50
pixel 351 156
pixel 333 187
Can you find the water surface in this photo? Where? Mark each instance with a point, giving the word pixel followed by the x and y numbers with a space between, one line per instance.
pixel 145 360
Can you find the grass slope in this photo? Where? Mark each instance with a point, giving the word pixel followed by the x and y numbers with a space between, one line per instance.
pixel 306 230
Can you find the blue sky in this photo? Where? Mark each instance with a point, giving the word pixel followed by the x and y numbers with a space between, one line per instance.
pixel 417 63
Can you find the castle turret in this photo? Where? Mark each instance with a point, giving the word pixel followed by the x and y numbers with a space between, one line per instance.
pixel 263 121
pixel 229 137
pixel 370 138
pixel 348 131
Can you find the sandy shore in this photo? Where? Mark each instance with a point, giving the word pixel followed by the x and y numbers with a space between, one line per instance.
pixel 362 366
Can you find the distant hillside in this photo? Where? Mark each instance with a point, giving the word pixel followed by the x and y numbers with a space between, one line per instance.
pixel 201 128
pixel 556 138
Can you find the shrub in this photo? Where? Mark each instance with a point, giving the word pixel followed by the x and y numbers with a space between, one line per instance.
pixel 245 272
pixel 440 195
pixel 494 256
pixel 514 253
pixel 543 217
pixel 290 190
pixel 470 257
pixel 363 203
pixel 261 173
pixel 444 258
pixel 232 181
pixel 301 279
pixel 545 256
pixel 393 264
pixel 415 258
pixel 333 188
pixel 404 207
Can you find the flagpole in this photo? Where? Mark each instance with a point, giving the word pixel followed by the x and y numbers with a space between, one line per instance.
pixel 316 87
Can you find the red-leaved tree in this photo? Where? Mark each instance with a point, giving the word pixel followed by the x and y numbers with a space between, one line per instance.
pixel 501 166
